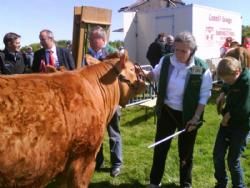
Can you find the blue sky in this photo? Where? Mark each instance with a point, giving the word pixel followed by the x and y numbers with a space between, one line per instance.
pixel 28 17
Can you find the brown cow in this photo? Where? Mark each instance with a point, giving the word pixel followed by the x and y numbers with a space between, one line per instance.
pixel 240 53
pixel 52 125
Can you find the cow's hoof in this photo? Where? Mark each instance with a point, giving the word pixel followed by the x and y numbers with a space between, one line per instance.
pixel 115 172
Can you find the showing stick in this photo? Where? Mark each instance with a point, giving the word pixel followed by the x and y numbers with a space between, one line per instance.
pixel 167 138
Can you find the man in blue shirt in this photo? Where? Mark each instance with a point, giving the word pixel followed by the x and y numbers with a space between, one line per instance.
pixel 99 49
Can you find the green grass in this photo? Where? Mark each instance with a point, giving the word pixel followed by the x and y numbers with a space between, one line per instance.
pixel 138 133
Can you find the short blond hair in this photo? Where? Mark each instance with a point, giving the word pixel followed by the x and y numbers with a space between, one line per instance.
pixel 228 66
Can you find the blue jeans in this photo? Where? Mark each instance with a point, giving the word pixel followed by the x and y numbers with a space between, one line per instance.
pixel 115 143
pixel 233 141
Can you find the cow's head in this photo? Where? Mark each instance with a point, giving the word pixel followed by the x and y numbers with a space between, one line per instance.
pixel 129 76
pixel 240 53
pixel 131 80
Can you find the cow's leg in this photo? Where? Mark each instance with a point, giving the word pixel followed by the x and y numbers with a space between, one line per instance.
pixel 59 182
pixel 81 171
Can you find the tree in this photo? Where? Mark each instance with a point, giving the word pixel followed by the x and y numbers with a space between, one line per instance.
pixel 117 44
pixel 245 31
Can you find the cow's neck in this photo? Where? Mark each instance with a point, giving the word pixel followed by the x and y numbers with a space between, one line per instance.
pixel 111 91
pixel 106 76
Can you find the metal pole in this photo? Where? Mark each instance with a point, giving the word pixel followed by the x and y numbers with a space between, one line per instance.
pixel 167 138
pixel 171 136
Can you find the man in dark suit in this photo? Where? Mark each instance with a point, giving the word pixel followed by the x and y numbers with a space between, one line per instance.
pixel 50 56
pixel 156 49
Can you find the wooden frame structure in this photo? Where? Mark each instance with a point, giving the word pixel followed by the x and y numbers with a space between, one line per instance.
pixel 84 19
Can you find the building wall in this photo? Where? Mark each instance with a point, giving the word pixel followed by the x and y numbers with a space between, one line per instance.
pixel 210 27
pixel 150 5
pixel 150 23
pixel 130 33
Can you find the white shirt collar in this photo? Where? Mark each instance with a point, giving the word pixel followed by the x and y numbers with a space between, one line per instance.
pixel 53 49
pixel 100 53
pixel 177 64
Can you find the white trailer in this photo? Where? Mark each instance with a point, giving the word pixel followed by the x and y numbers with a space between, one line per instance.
pixel 210 26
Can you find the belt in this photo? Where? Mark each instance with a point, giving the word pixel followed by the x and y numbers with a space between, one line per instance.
pixel 166 107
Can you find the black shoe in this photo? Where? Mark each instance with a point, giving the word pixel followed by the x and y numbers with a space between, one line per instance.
pixel 115 172
pixel 154 186
pixel 186 185
pixel 218 185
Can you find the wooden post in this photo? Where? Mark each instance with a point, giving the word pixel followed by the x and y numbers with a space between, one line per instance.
pixel 84 19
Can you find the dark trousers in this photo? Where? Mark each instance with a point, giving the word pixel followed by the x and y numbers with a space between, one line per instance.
pixel 234 141
pixel 115 143
pixel 168 122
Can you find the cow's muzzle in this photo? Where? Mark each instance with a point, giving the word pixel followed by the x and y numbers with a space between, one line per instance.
pixel 133 86
pixel 137 85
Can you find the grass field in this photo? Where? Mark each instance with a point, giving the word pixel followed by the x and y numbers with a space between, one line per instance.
pixel 138 133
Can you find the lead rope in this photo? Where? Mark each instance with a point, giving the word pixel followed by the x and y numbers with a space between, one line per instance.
pixel 148 80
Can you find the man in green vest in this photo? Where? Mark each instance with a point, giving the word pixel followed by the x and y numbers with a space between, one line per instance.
pixel 184 87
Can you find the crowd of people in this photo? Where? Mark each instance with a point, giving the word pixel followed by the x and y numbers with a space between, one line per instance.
pixel 48 58
pixel 162 45
pixel 230 43
pixel 184 88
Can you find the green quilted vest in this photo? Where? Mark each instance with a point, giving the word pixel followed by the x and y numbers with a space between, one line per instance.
pixel 192 89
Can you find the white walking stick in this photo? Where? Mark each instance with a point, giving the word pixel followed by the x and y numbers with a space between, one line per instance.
pixel 167 138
